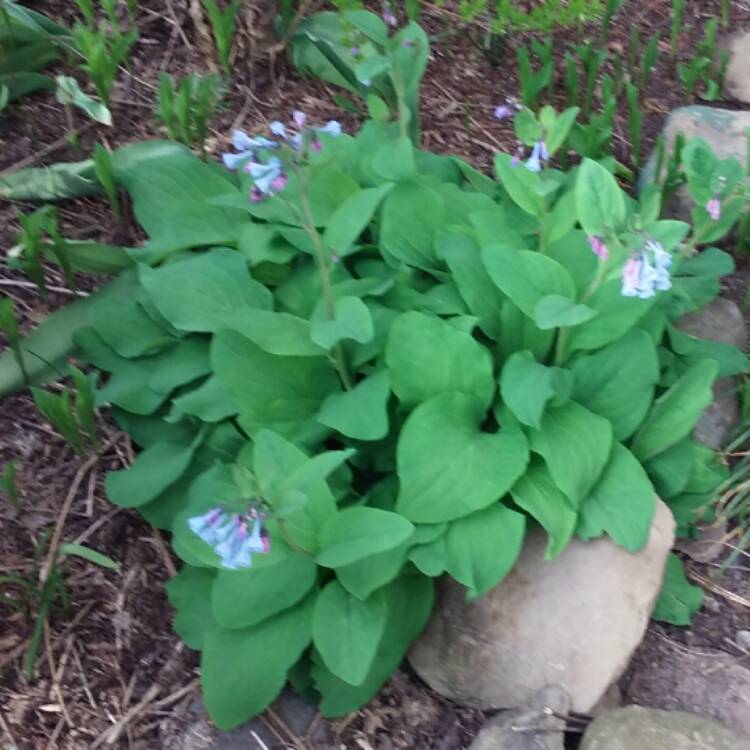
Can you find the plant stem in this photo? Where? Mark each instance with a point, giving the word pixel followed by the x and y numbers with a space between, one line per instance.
pixel 325 278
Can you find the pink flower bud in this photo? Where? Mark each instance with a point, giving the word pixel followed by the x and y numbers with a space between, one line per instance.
pixel 714 208
pixel 598 247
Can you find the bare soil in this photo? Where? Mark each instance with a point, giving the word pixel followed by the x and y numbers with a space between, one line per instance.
pixel 110 672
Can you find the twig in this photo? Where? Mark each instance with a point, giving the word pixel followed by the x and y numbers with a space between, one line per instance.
pixel 3 725
pixel 262 745
pixel 164 552
pixel 80 474
pixel 31 285
pixel 84 681
pixel 111 735
pixel 174 697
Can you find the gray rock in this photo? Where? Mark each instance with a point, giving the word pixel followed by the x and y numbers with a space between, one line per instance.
pixel 737 81
pixel 711 544
pixel 573 622
pixel 720 320
pixel 722 129
pixel 743 639
pixel 707 682
pixel 636 728
pixel 534 726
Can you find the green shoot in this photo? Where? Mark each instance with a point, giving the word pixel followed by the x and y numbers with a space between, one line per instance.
pixel 9 326
pixel 725 13
pixel 572 81
pixel 223 25
pixel 635 123
pixel 650 57
pixel 534 82
pixel 674 37
pixel 8 484
pixel 609 13
pixel 105 173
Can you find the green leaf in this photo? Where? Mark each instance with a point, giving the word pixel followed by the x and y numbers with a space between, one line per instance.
pixel 621 504
pixel 69 93
pixel 209 402
pixel 617 382
pixel 395 160
pixel 189 592
pixel 670 470
pixel 279 393
pixel 600 204
pixel 95 257
pixel 537 494
pixel 369 574
pixel 575 445
pixel 474 284
pixel 556 311
pixel 362 413
pixel 86 553
pixel 426 357
pixel 352 320
pixel 447 467
pixel 276 332
pixel 558 132
pixel 481 548
pixel 347 631
pixel 242 671
pixel 351 218
pixel 409 601
pixel 526 277
pixel 204 292
pixel 526 386
pixel 676 412
pixel 149 475
pixel 521 185
pixel 679 600
pixel 691 349
pixel 242 598
pixel 355 533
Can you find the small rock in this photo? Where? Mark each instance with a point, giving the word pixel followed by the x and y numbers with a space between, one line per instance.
pixel 743 639
pixel 706 682
pixel 533 726
pixel 573 621
pixel 636 728
pixel 722 129
pixel 709 546
pixel 720 320
pixel 737 81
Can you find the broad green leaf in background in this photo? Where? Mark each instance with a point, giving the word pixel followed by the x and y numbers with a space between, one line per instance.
pixel 670 470
pixel 209 402
pixel 242 598
pixel 426 356
pixel 575 445
pixel 447 467
pixel 355 533
pixel 347 631
pixel 69 93
pixel 537 494
pixel 351 218
pixel 189 592
pixel 679 600
pixel 521 185
pixel 409 601
pixel 675 412
pixel 617 382
pixel 600 204
pixel 621 503
pixel 242 671
pixel 526 386
pixel 276 332
pixel 556 311
pixel 482 547
pixel 204 292
pixel 270 391
pixel 369 574
pixel 362 413
pixel 526 277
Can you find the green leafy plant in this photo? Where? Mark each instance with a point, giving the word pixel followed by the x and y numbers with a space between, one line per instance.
pixel 71 413
pixel 674 37
pixel 186 109
pixel 104 169
pixel 635 123
pixel 103 46
pixel 546 15
pixel 9 327
pixel 223 25
pixel 534 82
pixel 353 49
pixel 610 11
pixel 332 381
pixel 650 58
pixel 29 42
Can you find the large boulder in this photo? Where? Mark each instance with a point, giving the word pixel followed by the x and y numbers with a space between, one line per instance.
pixel 573 622
pixel 636 728
pixel 737 81
pixel 721 320
pixel 723 130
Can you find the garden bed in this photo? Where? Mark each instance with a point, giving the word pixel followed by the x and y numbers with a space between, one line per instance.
pixel 111 673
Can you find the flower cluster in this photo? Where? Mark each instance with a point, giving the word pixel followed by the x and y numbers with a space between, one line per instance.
pixel 254 153
pixel 647 271
pixel 230 536
pixel 539 155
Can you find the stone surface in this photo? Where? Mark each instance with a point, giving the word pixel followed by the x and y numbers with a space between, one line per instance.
pixel 573 622
pixel 710 546
pixel 636 728
pixel 743 639
pixel 721 320
pixel 722 129
pixel 700 680
pixel 737 82
pixel 533 726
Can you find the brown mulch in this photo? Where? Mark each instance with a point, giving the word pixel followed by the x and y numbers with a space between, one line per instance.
pixel 110 672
